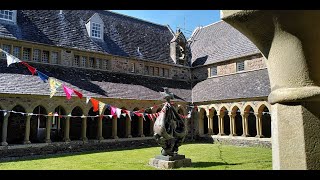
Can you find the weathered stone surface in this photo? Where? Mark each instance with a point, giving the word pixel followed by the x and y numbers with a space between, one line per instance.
pixel 163 164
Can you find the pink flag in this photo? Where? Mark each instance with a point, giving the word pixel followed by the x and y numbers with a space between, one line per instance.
pixel 113 110
pixel 68 91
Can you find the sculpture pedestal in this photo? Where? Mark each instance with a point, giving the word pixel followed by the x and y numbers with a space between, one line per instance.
pixel 170 162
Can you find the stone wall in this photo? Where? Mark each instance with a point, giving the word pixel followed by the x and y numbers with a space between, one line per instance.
pixel 256 63
pixel 226 69
pixel 75 146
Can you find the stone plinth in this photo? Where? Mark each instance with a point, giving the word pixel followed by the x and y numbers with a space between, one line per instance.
pixel 170 162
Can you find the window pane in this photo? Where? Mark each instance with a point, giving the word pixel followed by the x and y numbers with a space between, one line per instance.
pixel 45 56
pixel 6 14
pixel 36 55
pixel 54 57
pixel 84 61
pixel 16 51
pixel 76 61
pixel 213 71
pixel 240 66
pixel 26 54
pixel 6 48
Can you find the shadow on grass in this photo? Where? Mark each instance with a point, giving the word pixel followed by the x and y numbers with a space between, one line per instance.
pixel 211 164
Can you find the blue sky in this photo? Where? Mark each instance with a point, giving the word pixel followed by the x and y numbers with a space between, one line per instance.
pixel 185 19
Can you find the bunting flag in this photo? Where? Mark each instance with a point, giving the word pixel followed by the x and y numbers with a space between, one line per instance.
pixel 128 114
pixel 118 112
pixel 42 76
pixel 150 117
pixel 11 59
pixel 78 94
pixel 68 91
pixel 31 69
pixel 101 106
pixel 54 85
pixel 95 104
pixel 113 110
pixel 88 99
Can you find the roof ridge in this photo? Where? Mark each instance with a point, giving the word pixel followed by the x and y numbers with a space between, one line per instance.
pixel 213 23
pixel 136 18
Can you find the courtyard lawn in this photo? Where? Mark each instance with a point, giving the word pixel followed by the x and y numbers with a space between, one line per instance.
pixel 203 156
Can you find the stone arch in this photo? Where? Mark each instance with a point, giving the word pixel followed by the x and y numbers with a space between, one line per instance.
pixel 251 120
pixel 238 121
pixel 107 124
pixel 246 107
pixel 121 125
pixel 58 124
pixel 215 120
pixel 76 123
pixel 225 120
pixel 38 124
pixel 16 125
pixel 92 124
pixel 265 121
pixel 135 124
pixel 203 121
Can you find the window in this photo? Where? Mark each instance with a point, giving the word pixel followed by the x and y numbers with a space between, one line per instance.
pixel 98 63
pixel 146 70
pixel 166 72
pixel 240 66
pixel 105 64
pixel 36 55
pixel 156 71
pixel 132 67
pixel 6 48
pixel 83 61
pixel 6 15
pixel 91 62
pixel 213 71
pixel 96 30
pixel 45 56
pixel 26 54
pixel 16 51
pixel 151 71
pixel 76 60
pixel 54 57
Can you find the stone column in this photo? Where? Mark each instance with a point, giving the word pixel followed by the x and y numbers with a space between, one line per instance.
pixel 221 124
pixel 128 130
pixel 27 131
pixel 99 132
pixel 5 130
pixel 84 129
pixel 288 39
pixel 210 122
pixel 245 129
pixel 67 130
pixel 200 123
pixel 48 129
pixel 141 127
pixel 232 124
pixel 114 127
pixel 258 124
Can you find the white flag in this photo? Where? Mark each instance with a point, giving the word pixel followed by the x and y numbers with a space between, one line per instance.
pixel 88 99
pixel 118 112
pixel 11 59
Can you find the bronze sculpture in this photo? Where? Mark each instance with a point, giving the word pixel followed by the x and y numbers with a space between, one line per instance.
pixel 169 128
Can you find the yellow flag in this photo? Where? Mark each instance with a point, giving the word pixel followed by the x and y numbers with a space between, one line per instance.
pixel 101 106
pixel 54 85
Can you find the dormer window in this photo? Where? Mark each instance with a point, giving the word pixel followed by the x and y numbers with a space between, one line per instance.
pixel 8 15
pixel 96 30
pixel 95 27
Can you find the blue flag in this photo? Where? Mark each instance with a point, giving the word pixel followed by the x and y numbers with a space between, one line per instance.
pixel 42 76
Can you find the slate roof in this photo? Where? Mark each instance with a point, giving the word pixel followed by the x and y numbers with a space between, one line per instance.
pixel 242 85
pixel 16 79
pixel 219 42
pixel 122 34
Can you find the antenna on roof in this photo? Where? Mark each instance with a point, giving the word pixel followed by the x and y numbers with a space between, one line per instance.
pixel 60 12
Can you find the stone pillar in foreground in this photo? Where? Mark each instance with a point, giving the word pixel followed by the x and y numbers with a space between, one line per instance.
pixel 84 129
pixel 67 130
pixel 99 134
pixel 114 127
pixel 27 131
pixel 48 129
pixel 289 41
pixel 5 130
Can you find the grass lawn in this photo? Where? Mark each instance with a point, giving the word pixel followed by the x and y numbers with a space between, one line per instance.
pixel 203 156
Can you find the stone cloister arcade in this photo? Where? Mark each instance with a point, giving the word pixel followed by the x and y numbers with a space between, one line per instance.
pixel 17 128
pixel 236 119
